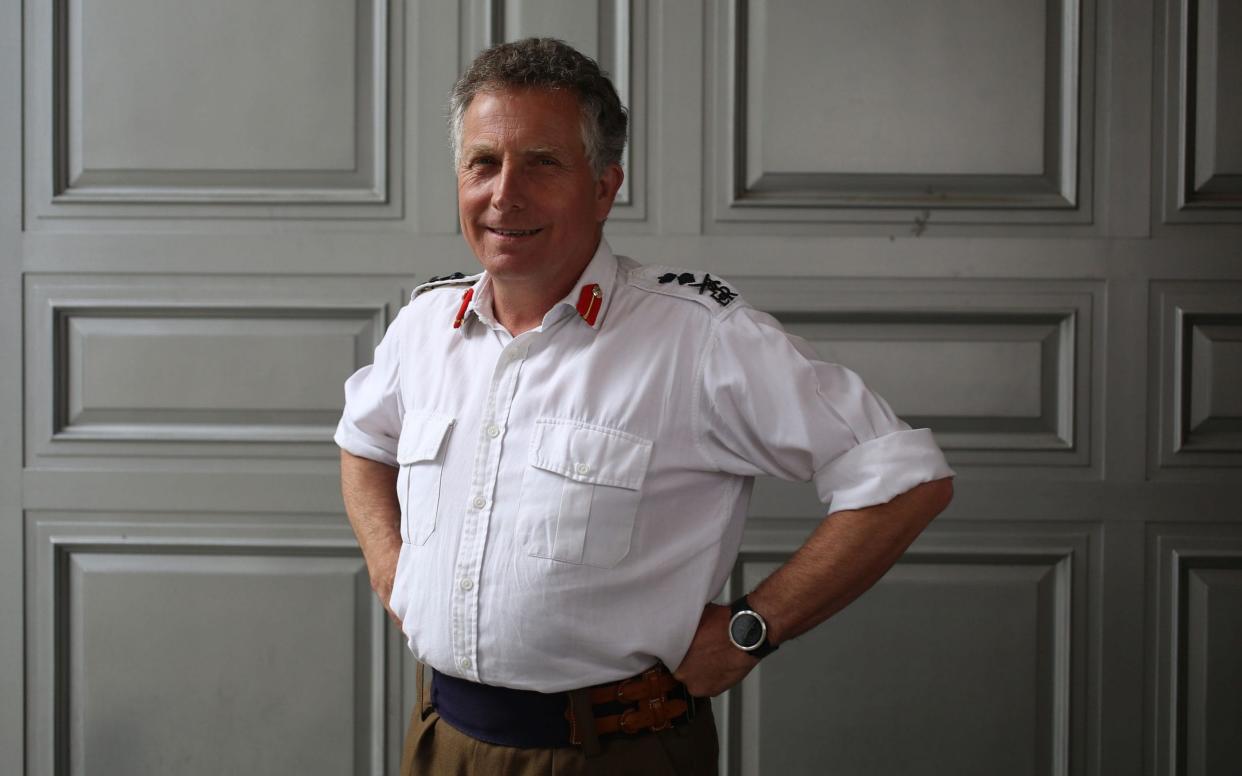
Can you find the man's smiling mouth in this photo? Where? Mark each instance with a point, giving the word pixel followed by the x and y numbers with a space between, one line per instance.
pixel 514 232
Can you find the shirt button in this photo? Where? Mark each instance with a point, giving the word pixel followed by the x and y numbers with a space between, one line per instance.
pixel 464 663
pixel 467 584
pixel 493 431
pixel 582 468
pixel 479 502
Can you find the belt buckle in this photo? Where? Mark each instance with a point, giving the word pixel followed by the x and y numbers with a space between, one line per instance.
pixel 652 718
pixel 657 712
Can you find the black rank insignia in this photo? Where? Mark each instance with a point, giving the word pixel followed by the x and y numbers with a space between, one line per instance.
pixel 713 287
pixel 454 276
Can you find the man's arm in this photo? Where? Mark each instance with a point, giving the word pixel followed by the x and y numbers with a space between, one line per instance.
pixel 846 554
pixel 370 492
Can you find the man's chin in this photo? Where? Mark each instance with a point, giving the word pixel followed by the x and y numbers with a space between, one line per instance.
pixel 510 266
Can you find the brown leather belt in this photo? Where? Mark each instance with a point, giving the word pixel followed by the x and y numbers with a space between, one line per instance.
pixel 652 701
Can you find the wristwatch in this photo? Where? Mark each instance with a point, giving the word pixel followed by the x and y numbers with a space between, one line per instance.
pixel 748 631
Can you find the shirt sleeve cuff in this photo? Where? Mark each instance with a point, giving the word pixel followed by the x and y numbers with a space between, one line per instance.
pixel 878 470
pixel 351 440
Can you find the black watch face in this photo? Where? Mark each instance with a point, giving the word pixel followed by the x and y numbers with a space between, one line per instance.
pixel 746 630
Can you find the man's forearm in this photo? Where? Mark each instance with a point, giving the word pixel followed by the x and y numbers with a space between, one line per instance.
pixel 845 555
pixel 369 489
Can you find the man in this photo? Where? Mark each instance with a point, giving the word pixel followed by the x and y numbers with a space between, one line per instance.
pixel 548 464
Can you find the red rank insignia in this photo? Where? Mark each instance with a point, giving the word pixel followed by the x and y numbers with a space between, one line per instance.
pixel 461 311
pixel 589 301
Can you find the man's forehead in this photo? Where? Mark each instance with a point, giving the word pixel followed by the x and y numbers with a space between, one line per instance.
pixel 539 117
pixel 522 100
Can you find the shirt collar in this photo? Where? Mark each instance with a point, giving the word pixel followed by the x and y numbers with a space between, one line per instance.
pixel 600 272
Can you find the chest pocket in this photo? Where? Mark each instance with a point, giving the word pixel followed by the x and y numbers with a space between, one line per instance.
pixel 580 492
pixel 420 454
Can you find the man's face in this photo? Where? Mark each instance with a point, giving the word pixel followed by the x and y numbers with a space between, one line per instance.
pixel 530 206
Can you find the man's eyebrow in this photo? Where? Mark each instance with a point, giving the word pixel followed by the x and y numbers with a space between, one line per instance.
pixel 488 148
pixel 478 148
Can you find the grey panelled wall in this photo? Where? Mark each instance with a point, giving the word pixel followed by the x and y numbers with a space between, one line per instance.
pixel 1020 220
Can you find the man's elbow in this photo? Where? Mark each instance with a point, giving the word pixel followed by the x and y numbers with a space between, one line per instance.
pixel 923 502
pixel 936 496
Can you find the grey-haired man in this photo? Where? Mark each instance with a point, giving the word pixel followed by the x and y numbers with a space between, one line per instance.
pixel 548 464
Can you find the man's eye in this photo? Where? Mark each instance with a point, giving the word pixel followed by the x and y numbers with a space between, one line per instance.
pixel 483 161
pixel 547 160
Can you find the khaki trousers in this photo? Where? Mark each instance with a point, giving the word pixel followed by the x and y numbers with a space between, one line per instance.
pixel 435 748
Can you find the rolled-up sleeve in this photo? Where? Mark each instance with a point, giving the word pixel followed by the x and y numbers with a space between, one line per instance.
pixel 371 422
pixel 770 405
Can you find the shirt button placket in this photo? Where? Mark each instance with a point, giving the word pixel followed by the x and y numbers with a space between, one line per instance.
pixel 474 531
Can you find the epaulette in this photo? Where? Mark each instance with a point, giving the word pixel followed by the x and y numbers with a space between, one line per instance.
pixel 455 279
pixel 710 291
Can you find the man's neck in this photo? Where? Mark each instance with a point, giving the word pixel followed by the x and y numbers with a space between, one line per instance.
pixel 520 305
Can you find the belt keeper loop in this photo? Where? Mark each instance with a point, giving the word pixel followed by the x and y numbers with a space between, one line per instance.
pixel 582 719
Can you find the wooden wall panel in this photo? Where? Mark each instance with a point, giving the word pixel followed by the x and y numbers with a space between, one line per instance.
pixel 964 111
pixel 1203 112
pixel 1197 345
pixel 1197 603
pixel 139 367
pixel 192 373
pixel 184 643
pixel 254 111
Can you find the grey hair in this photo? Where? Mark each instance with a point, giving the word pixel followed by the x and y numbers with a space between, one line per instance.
pixel 547 63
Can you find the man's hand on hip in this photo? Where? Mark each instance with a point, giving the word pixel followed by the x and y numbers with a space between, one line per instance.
pixel 712 664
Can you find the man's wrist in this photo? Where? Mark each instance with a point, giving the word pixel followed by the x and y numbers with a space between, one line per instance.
pixel 382 564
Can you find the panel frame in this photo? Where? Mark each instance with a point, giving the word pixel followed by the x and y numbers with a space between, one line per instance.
pixel 1174 551
pixel 1174 308
pixel 51 298
pixel 811 203
pixel 51 538
pixel 1067 549
pixel 54 202
pixel 1180 201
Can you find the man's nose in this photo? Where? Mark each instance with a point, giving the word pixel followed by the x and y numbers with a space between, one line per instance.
pixel 509 191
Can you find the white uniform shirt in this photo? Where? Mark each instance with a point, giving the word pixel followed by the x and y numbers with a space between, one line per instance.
pixel 573 496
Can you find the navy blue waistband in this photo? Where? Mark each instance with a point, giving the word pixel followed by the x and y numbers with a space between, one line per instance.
pixel 499 715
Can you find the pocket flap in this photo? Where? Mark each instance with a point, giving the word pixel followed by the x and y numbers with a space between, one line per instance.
pixel 590 453
pixel 422 434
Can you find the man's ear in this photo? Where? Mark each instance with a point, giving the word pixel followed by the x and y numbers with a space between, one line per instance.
pixel 606 190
